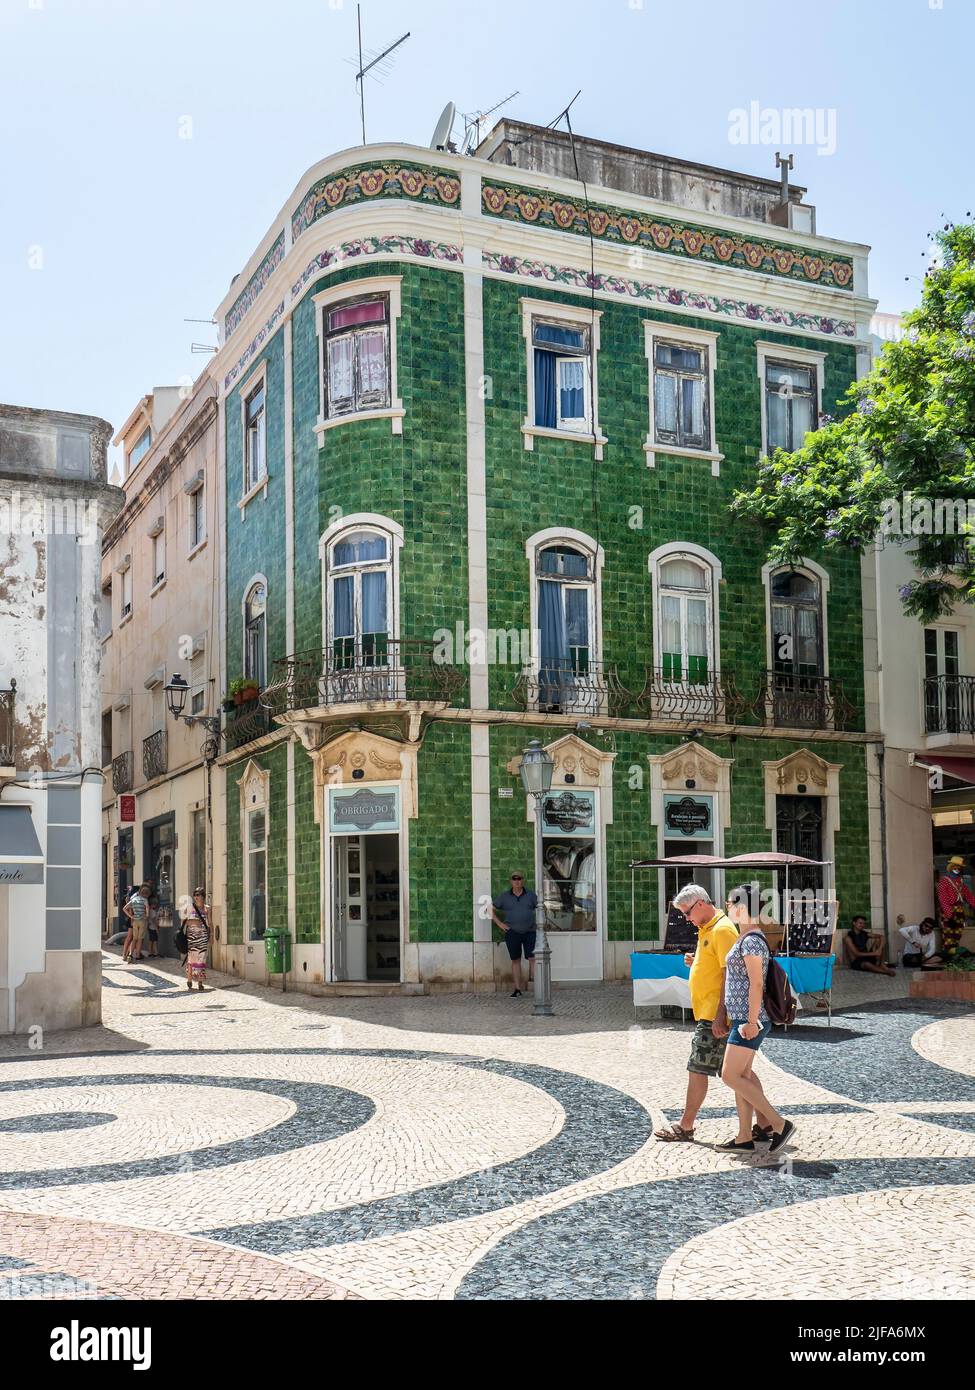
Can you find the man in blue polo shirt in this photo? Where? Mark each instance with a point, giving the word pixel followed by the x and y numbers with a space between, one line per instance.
pixel 519 905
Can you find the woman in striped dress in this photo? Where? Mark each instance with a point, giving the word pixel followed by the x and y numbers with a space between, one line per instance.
pixel 196 925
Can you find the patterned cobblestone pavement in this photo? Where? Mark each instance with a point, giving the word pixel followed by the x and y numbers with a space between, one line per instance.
pixel 248 1144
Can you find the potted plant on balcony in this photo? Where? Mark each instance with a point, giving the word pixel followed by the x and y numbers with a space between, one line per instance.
pixel 243 690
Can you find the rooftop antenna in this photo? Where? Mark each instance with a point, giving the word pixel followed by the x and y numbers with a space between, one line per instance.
pixel 472 123
pixel 376 60
pixel 785 165
pixel 202 347
pixel 441 135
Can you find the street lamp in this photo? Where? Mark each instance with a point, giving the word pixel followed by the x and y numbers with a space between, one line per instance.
pixel 536 778
pixel 176 692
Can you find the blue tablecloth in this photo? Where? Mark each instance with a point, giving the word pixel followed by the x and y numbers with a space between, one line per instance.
pixel 808 974
pixel 659 977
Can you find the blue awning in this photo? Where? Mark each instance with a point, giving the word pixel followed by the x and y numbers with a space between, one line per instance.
pixel 21 860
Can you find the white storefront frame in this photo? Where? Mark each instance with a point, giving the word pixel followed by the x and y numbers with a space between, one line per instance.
pixel 328 859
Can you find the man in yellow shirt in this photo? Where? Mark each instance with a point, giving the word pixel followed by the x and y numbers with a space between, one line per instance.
pixel 716 934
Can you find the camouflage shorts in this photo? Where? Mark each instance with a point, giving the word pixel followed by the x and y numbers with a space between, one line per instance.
pixel 707 1051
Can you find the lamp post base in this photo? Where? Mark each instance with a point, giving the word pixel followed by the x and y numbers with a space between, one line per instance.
pixel 543 974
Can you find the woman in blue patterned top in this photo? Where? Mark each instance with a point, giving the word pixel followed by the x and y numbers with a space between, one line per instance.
pixel 746 967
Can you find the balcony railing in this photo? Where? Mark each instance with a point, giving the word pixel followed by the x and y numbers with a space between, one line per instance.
pixel 154 755
pixel 715 699
pixel 360 671
pixel 122 771
pixel 794 701
pixel 949 704
pixel 7 725
pixel 245 722
pixel 571 685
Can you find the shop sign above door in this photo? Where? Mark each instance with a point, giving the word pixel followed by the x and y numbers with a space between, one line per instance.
pixel 569 813
pixel 687 816
pixel 363 810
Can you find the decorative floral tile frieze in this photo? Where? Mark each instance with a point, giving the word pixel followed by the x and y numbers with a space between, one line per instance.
pixel 541 209
pixel 669 296
pixel 386 179
pixel 336 257
pixel 253 288
pixel 254 346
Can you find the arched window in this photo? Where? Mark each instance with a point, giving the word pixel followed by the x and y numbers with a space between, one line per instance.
pixel 797 623
pixel 566 607
pixel 255 633
pixel 686 620
pixel 359 593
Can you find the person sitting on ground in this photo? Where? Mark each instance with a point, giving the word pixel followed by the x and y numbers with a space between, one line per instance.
pixel 862 951
pixel 919 947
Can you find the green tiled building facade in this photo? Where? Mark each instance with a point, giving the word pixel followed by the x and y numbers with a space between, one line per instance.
pixel 476 487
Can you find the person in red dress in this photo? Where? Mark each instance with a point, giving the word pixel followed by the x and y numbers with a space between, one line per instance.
pixel 953 894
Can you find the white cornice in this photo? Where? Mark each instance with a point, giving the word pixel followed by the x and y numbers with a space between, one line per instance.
pixel 502 173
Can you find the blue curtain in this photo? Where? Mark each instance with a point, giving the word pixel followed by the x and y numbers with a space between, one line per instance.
pixel 553 655
pixel 374 622
pixel 545 413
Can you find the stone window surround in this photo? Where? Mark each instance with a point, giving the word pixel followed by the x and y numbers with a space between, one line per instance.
pixel 391 286
pixel 361 521
pixel 655 330
pixel 802 357
pixel 813 571
pixel 254 579
pixel 578 316
pixel 559 535
pixel 782 777
pixel 257 378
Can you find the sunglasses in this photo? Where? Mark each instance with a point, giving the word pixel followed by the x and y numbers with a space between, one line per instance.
pixel 517 878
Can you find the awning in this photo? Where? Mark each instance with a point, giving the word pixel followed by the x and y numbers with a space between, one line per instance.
pixel 763 859
pixel 21 860
pixel 961 768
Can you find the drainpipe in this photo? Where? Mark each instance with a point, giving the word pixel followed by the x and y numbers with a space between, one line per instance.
pixel 881 751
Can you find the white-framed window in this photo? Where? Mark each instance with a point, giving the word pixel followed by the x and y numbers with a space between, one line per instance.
pixel 158 558
pixel 947 701
pixel 684 682
pixel 255 905
pixel 356 324
pixel 254 609
pixel 139 449
pixel 566 674
pixel 361 569
pixel 253 411
pixel 798 648
pixel 125 594
pixel 562 346
pixel 682 363
pixel 792 394
pixel 198 521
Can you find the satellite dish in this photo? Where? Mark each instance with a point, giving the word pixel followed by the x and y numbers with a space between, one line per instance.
pixel 444 126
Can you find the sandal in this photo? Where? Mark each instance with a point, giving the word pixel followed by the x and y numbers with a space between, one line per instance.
pixel 675 1135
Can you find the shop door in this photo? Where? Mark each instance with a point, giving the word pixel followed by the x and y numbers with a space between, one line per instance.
pixel 348 909
pixel 799 830
pixel 570 884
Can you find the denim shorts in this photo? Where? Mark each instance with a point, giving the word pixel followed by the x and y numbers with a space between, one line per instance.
pixel 515 940
pixel 753 1044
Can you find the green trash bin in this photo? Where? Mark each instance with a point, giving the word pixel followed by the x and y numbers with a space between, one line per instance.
pixel 277 950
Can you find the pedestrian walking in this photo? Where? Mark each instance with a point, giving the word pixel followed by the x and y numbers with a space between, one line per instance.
pixel 519 905
pixel 746 969
pixel 196 925
pixel 716 935
pixel 137 911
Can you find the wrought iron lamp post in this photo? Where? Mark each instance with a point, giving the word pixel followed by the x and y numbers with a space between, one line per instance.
pixel 536 778
pixel 176 693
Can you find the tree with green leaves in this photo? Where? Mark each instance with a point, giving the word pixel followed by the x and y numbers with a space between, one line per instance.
pixel 900 459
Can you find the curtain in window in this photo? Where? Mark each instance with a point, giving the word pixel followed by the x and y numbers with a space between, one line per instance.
pixel 665 403
pixel 359 548
pixel 563 562
pixel 572 388
pixel 374 621
pixel 372 364
pixel 693 403
pixel 560 337
pixel 343 620
pixel 340 392
pixel 577 628
pixel 802 419
pixel 682 574
pixel 553 655
pixel 697 641
pixel 673 669
pixel 807 641
pixel 778 422
pixel 545 413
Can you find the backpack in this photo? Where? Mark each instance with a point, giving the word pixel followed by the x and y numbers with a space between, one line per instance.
pixel 780 1002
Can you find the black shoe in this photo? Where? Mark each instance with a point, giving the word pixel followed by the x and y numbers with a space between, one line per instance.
pixel 760 1135
pixel 189 984
pixel 779 1139
pixel 732 1146
pixel 516 994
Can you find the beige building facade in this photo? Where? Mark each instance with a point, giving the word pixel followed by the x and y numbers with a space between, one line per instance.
pixel 159 587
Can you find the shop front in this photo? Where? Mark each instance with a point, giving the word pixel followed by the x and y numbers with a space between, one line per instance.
pixel 364 903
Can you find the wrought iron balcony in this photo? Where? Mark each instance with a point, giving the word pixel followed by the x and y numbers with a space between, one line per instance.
pixel 794 701
pixel 374 669
pixel 154 760
pixel 715 699
pixel 949 704
pixel 245 722
pixel 122 771
pixel 7 725
pixel 571 685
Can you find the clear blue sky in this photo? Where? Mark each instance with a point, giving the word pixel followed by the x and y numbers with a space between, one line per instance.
pixel 138 228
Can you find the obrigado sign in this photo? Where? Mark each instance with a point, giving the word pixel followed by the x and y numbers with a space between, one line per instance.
pixel 364 810
pixel 688 816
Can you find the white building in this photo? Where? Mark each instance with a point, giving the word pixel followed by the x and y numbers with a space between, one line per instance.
pixel 54 505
